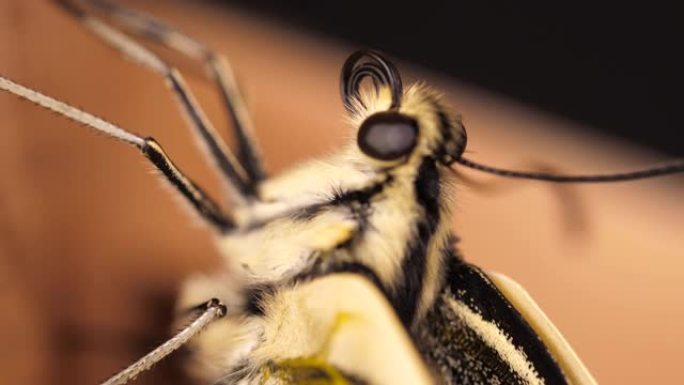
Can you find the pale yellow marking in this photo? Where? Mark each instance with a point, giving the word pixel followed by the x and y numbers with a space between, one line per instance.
pixel 314 180
pixel 494 338
pixel 284 247
pixel 345 320
pixel 572 366
pixel 333 235
pixel 433 268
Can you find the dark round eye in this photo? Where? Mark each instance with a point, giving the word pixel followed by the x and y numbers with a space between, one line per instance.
pixel 388 135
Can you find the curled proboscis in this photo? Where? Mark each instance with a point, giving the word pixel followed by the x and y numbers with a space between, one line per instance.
pixel 372 64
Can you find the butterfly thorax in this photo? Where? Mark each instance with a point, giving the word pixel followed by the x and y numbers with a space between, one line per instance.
pixel 390 227
pixel 385 220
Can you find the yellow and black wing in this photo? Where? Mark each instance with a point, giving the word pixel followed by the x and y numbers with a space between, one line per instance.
pixel 560 349
pixel 485 331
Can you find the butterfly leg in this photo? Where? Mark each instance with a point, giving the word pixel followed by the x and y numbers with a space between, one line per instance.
pixel 218 67
pixel 199 200
pixel 213 310
pixel 240 184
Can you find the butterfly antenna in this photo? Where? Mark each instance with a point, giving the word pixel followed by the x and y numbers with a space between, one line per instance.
pixel 672 167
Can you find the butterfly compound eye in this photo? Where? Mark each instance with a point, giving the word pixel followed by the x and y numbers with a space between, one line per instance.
pixel 388 135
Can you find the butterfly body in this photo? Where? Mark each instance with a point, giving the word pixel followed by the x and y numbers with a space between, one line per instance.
pixel 342 270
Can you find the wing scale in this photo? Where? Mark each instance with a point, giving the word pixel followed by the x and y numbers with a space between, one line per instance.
pixel 474 335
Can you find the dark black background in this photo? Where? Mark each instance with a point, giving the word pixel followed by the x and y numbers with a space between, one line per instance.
pixel 614 66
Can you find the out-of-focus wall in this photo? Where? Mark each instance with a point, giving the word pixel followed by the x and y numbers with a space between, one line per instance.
pixel 92 248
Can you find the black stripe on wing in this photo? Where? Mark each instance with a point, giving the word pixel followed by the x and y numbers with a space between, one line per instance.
pixel 460 353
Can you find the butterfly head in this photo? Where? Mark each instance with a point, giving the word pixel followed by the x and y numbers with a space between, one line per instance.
pixel 396 126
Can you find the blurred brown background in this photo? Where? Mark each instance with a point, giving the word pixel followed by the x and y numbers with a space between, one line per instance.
pixel 92 248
